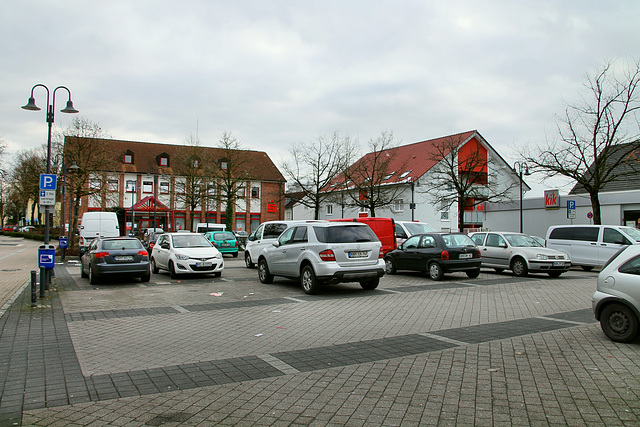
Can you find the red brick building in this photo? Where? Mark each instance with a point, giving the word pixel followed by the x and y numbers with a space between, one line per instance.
pixel 147 181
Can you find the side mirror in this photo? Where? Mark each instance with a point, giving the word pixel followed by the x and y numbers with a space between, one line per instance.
pixel 503 245
pixel 164 245
pixel 276 244
pixel 82 250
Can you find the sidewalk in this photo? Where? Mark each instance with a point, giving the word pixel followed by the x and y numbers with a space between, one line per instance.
pixel 490 351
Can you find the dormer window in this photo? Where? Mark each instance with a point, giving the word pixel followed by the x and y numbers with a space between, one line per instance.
pixel 223 165
pixel 196 163
pixel 388 176
pixel 404 174
pixel 164 161
pixel 128 157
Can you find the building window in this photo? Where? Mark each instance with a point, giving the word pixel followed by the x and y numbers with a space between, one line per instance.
pixel 164 161
pixel 164 187
pixel 255 192
pixel 94 184
pixel 211 190
pixel 444 216
pixel 147 186
pixel 329 209
pixel 223 165
pixel 240 191
pixel 180 187
pixel 196 163
pixel 131 186
pixel 128 159
pixel 113 185
pixel 398 205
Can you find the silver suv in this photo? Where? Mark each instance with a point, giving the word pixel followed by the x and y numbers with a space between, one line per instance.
pixel 324 253
pixel 616 302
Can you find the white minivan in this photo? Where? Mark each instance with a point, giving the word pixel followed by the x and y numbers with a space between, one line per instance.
pixel 265 235
pixel 591 245
pixel 98 224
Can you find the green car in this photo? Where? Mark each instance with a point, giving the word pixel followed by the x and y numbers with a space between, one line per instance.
pixel 225 241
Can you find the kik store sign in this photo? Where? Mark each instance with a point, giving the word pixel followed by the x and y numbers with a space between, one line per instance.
pixel 552 199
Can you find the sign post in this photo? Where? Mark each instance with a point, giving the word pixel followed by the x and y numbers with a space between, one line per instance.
pixel 571 209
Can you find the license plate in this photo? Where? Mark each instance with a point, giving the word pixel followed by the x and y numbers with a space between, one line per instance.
pixel 124 258
pixel 358 254
pixel 203 264
pixel 461 256
pixel 558 264
pixel 225 245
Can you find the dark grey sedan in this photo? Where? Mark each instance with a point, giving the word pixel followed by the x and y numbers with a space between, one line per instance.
pixel 109 256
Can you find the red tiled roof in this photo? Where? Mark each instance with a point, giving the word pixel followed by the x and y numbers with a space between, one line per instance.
pixel 258 165
pixel 417 157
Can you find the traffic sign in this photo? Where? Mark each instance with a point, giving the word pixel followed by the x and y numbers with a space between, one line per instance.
pixel 47 197
pixel 571 204
pixel 590 215
pixel 48 181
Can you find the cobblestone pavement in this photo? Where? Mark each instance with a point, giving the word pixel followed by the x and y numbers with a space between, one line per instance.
pixel 495 350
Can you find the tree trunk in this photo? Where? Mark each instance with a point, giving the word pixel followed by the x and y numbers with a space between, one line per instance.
pixel 595 205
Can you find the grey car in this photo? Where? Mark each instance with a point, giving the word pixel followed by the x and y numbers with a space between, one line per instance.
pixel 519 253
pixel 111 256
pixel 324 253
pixel 616 302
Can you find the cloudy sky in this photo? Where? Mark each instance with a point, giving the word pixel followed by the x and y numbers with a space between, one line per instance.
pixel 276 72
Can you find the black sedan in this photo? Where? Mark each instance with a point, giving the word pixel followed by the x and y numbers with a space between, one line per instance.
pixel 435 253
pixel 115 256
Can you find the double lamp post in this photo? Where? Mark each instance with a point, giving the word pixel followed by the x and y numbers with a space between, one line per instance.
pixel 31 105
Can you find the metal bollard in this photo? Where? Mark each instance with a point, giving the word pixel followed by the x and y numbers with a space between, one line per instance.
pixel 34 290
pixel 43 279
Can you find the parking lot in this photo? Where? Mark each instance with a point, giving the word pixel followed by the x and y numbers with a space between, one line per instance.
pixel 232 351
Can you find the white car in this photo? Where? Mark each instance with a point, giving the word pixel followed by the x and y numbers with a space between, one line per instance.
pixel 519 253
pixel 186 253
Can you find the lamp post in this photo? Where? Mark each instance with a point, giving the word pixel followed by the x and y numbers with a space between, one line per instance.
pixel 520 167
pixel 155 191
pixel 412 205
pixel 31 106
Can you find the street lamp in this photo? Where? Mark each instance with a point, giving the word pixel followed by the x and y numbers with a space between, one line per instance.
pixel 31 106
pixel 520 167
pixel 155 191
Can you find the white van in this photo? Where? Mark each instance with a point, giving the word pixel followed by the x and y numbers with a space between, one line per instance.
pixel 267 233
pixel 205 227
pixel 590 245
pixel 406 229
pixel 98 224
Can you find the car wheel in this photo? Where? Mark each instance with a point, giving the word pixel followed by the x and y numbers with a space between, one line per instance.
pixel 309 281
pixel 263 272
pixel 390 266
pixel 235 254
pixel 154 267
pixel 435 271
pixel 499 270
pixel 146 277
pixel 519 267
pixel 619 323
pixel 587 267
pixel 472 274
pixel 93 279
pixel 247 260
pixel 82 273
pixel 369 285
pixel 172 270
pixel 554 273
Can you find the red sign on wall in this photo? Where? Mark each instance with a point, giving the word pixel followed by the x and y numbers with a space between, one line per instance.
pixel 272 207
pixel 552 199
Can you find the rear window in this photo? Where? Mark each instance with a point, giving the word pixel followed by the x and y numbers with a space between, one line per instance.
pixel 109 245
pixel 562 233
pixel 452 240
pixel 350 233
pixel 224 236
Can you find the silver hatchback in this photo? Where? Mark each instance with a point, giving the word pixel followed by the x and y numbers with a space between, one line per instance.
pixel 324 253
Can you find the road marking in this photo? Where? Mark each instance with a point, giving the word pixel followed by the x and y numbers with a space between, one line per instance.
pixel 444 339
pixel 283 367
pixel 295 299
pixel 180 309
pixel 560 320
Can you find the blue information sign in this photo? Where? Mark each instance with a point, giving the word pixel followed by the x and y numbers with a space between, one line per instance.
pixel 48 181
pixel 571 204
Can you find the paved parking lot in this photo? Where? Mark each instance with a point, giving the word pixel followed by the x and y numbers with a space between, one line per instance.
pixel 495 350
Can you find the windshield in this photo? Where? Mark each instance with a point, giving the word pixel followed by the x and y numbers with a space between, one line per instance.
pixel 419 227
pixel 522 241
pixel 632 232
pixel 190 241
pixel 452 240
pixel 351 233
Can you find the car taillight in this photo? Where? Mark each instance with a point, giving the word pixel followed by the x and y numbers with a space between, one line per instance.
pixel 101 254
pixel 479 254
pixel 143 253
pixel 235 243
pixel 444 255
pixel 381 254
pixel 82 242
pixel 327 255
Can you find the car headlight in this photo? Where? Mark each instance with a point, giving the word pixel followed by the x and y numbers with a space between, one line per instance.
pixel 218 255
pixel 182 257
pixel 542 257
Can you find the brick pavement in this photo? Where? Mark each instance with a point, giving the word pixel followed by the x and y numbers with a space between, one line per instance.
pixel 493 350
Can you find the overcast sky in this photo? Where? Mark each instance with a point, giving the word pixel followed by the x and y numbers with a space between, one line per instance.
pixel 275 72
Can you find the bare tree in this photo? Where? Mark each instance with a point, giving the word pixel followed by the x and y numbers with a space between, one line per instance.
pixel 313 166
pixel 25 177
pixel 366 180
pixel 190 165
pixel 233 173
pixel 84 144
pixel 463 174
pixel 598 136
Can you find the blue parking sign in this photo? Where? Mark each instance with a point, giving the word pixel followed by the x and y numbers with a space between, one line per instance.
pixel 571 204
pixel 48 181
